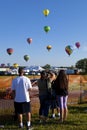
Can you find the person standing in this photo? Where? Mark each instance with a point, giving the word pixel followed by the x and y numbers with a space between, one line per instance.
pixel 43 93
pixel 43 84
pixel 54 102
pixel 21 86
pixel 61 89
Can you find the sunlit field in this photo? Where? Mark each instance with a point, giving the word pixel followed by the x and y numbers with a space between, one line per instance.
pixel 77 114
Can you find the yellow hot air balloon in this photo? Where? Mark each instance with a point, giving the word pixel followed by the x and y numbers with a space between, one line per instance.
pixel 15 65
pixel 46 12
pixel 49 47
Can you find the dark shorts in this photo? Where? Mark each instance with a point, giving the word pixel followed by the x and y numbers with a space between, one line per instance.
pixel 23 107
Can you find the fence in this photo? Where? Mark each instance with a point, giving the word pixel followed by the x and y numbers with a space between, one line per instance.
pixel 77 92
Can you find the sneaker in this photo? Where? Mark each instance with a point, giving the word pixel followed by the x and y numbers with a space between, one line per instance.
pixel 58 114
pixel 21 127
pixel 1 126
pixel 40 121
pixel 52 117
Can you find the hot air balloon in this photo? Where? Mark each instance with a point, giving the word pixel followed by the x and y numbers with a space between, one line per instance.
pixel 15 65
pixel 10 51
pixel 49 47
pixel 47 28
pixel 2 65
pixel 26 57
pixel 77 44
pixel 69 49
pixel 46 12
pixel 29 40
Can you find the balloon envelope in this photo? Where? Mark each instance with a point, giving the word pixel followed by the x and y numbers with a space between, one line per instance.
pixel 49 47
pixel 46 12
pixel 69 49
pixel 2 65
pixel 47 28
pixel 15 65
pixel 77 44
pixel 10 51
pixel 26 57
pixel 29 40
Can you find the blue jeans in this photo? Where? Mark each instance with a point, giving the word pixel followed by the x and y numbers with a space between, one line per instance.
pixel 44 106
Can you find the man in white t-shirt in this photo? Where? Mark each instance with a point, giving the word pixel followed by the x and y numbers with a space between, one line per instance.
pixel 21 86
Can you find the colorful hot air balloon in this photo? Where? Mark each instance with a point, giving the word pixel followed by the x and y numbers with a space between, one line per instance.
pixel 47 28
pixel 49 47
pixel 15 65
pixel 77 44
pixel 69 49
pixel 29 40
pixel 46 12
pixel 26 57
pixel 10 51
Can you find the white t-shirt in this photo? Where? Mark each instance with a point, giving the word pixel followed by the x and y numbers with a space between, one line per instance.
pixel 21 85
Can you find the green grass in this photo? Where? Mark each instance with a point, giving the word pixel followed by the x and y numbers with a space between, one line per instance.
pixel 77 120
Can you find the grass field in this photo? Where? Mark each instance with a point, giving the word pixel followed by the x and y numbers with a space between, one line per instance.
pixel 77 120
pixel 77 116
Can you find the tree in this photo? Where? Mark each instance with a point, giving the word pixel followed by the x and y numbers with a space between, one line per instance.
pixel 82 64
pixel 47 67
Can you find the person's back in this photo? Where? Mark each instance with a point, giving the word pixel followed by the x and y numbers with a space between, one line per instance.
pixel 42 86
pixel 21 86
pixel 61 87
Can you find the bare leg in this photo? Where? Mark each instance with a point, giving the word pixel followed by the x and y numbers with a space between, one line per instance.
pixel 65 113
pixel 61 114
pixel 28 116
pixel 65 108
pixel 53 113
pixel 20 116
pixel 58 112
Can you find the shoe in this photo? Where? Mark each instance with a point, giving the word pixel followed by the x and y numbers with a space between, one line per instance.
pixel 52 117
pixel 58 114
pixel 21 127
pixel 1 126
pixel 29 128
pixel 40 121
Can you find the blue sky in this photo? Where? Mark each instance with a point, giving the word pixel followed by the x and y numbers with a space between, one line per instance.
pixel 22 19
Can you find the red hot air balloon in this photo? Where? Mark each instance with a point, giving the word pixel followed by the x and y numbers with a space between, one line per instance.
pixel 77 44
pixel 10 51
pixel 29 40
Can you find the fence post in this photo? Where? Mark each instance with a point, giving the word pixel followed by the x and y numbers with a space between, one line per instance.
pixel 80 101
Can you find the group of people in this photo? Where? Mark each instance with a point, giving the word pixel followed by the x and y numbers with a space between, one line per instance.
pixel 53 93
